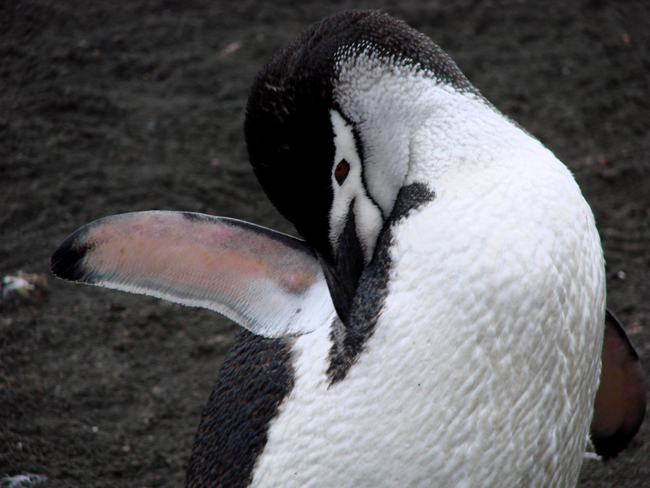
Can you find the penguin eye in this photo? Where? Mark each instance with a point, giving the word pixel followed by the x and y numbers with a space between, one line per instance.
pixel 341 171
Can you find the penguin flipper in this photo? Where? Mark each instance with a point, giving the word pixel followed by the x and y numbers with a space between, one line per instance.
pixel 620 401
pixel 269 283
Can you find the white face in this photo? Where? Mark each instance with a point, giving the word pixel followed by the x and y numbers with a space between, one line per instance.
pixel 368 215
pixel 410 127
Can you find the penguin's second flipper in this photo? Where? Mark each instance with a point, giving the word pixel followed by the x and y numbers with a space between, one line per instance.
pixel 620 402
pixel 268 282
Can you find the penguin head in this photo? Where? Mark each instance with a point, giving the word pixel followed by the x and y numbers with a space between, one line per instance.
pixel 329 128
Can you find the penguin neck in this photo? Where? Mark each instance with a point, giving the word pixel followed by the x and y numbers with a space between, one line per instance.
pixel 459 132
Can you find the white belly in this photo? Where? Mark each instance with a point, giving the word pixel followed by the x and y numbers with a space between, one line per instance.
pixel 484 363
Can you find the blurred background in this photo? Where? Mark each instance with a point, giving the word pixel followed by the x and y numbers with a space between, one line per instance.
pixel 109 107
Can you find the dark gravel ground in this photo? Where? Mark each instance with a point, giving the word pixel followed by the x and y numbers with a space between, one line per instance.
pixel 109 107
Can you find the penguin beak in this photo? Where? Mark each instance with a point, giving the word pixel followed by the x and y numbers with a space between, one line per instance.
pixel 343 275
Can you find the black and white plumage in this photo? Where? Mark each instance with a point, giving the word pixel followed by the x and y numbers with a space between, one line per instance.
pixel 442 322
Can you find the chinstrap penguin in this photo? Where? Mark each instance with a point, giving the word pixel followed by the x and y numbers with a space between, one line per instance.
pixel 442 322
